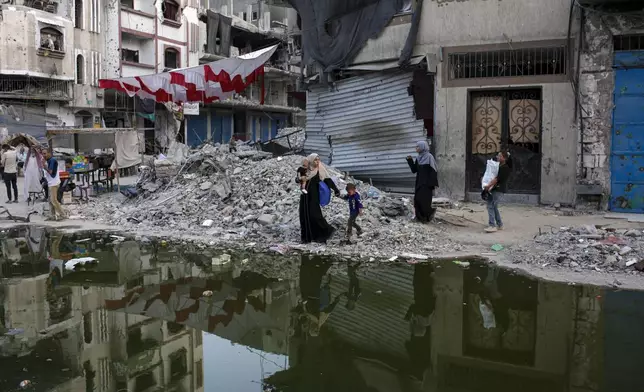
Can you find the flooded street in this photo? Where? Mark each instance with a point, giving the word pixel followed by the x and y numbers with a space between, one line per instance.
pixel 91 311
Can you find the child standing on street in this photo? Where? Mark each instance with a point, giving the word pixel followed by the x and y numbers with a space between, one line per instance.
pixel 355 208
pixel 302 172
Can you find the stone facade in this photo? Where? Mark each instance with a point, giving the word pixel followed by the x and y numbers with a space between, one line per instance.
pixel 596 88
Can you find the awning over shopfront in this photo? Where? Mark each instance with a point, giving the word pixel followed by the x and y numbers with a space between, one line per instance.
pixel 205 83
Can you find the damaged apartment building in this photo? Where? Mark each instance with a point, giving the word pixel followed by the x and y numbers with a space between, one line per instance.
pixel 50 63
pixel 233 28
pixel 553 82
pixel 156 37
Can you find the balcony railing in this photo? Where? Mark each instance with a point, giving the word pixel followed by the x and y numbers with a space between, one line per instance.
pixel 50 6
pixel 35 88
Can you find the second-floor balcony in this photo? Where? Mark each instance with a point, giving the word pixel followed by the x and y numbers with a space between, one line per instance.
pixel 50 6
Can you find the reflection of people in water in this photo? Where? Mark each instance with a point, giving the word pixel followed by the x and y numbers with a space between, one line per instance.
pixel 419 316
pixel 512 299
pixel 315 287
pixel 317 363
pixel 354 286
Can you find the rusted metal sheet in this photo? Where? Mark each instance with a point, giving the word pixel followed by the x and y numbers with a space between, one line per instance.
pixel 369 126
pixel 627 155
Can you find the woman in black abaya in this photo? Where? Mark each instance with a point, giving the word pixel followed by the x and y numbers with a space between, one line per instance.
pixel 426 180
pixel 314 228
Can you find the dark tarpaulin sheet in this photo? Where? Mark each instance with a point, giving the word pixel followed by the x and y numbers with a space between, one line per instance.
pixel 334 31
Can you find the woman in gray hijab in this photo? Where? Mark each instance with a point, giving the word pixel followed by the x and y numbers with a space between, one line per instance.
pixel 426 180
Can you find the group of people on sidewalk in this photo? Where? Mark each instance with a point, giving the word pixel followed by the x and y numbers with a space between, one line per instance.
pixel 41 175
pixel 312 173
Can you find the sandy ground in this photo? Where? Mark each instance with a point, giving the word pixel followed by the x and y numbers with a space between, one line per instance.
pixel 522 224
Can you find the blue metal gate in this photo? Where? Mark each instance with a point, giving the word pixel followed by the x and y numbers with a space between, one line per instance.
pixel 197 131
pixel 627 153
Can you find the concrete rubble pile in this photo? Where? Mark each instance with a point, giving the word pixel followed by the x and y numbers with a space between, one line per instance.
pixel 586 248
pixel 223 196
pixel 292 138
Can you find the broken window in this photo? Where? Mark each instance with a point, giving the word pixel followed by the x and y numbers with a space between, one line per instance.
pixel 127 3
pixel 178 364
pixel 80 69
pixel 51 39
pixel 171 10
pixel 45 5
pixel 130 55
pixel 78 14
pixel 171 58
pixel 255 15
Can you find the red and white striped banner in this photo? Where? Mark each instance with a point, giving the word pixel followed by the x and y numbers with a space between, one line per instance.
pixel 206 83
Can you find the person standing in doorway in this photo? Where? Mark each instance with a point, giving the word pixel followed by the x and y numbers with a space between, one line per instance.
pixel 426 180
pixel 53 182
pixel 10 164
pixel 497 188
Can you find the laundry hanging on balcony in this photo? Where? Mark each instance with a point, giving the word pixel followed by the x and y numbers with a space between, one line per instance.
pixel 206 83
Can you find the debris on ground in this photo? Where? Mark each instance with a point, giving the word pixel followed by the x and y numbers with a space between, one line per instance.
pixel 586 247
pixel 292 138
pixel 248 194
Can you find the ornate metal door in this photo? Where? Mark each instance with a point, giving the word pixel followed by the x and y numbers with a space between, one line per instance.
pixel 506 120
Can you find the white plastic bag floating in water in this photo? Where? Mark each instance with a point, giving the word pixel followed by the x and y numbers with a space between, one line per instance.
pixel 491 171
pixel 489 321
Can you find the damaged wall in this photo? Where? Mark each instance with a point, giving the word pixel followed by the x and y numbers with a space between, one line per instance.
pixel 597 84
pixel 367 126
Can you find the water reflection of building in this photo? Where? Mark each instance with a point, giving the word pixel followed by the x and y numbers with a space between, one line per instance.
pixel 548 336
pixel 95 349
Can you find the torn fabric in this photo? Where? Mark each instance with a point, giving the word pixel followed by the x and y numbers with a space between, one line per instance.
pixel 206 83
pixel 335 31
pixel 127 150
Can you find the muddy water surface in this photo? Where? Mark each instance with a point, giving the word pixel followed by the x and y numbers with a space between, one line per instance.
pixel 146 316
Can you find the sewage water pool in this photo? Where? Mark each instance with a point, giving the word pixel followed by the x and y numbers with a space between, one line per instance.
pixel 147 316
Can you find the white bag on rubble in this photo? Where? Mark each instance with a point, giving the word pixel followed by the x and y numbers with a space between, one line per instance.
pixel 491 171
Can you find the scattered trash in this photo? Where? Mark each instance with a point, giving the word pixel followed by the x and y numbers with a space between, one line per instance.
pixel 82 261
pixel 25 384
pixel 393 258
pixel 631 262
pixel 221 260
pixel 489 320
pixel 207 293
pixel 464 264
pixel 207 223
pixel 497 247
pixel 625 250
pixel 14 331
pixel 378 291
pixel 281 249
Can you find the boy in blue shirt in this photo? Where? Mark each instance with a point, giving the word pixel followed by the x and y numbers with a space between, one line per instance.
pixel 355 209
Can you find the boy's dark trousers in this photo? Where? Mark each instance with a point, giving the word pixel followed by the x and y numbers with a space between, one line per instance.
pixel 10 181
pixel 352 223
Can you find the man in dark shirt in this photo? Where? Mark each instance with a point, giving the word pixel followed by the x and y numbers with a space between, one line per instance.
pixel 497 188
